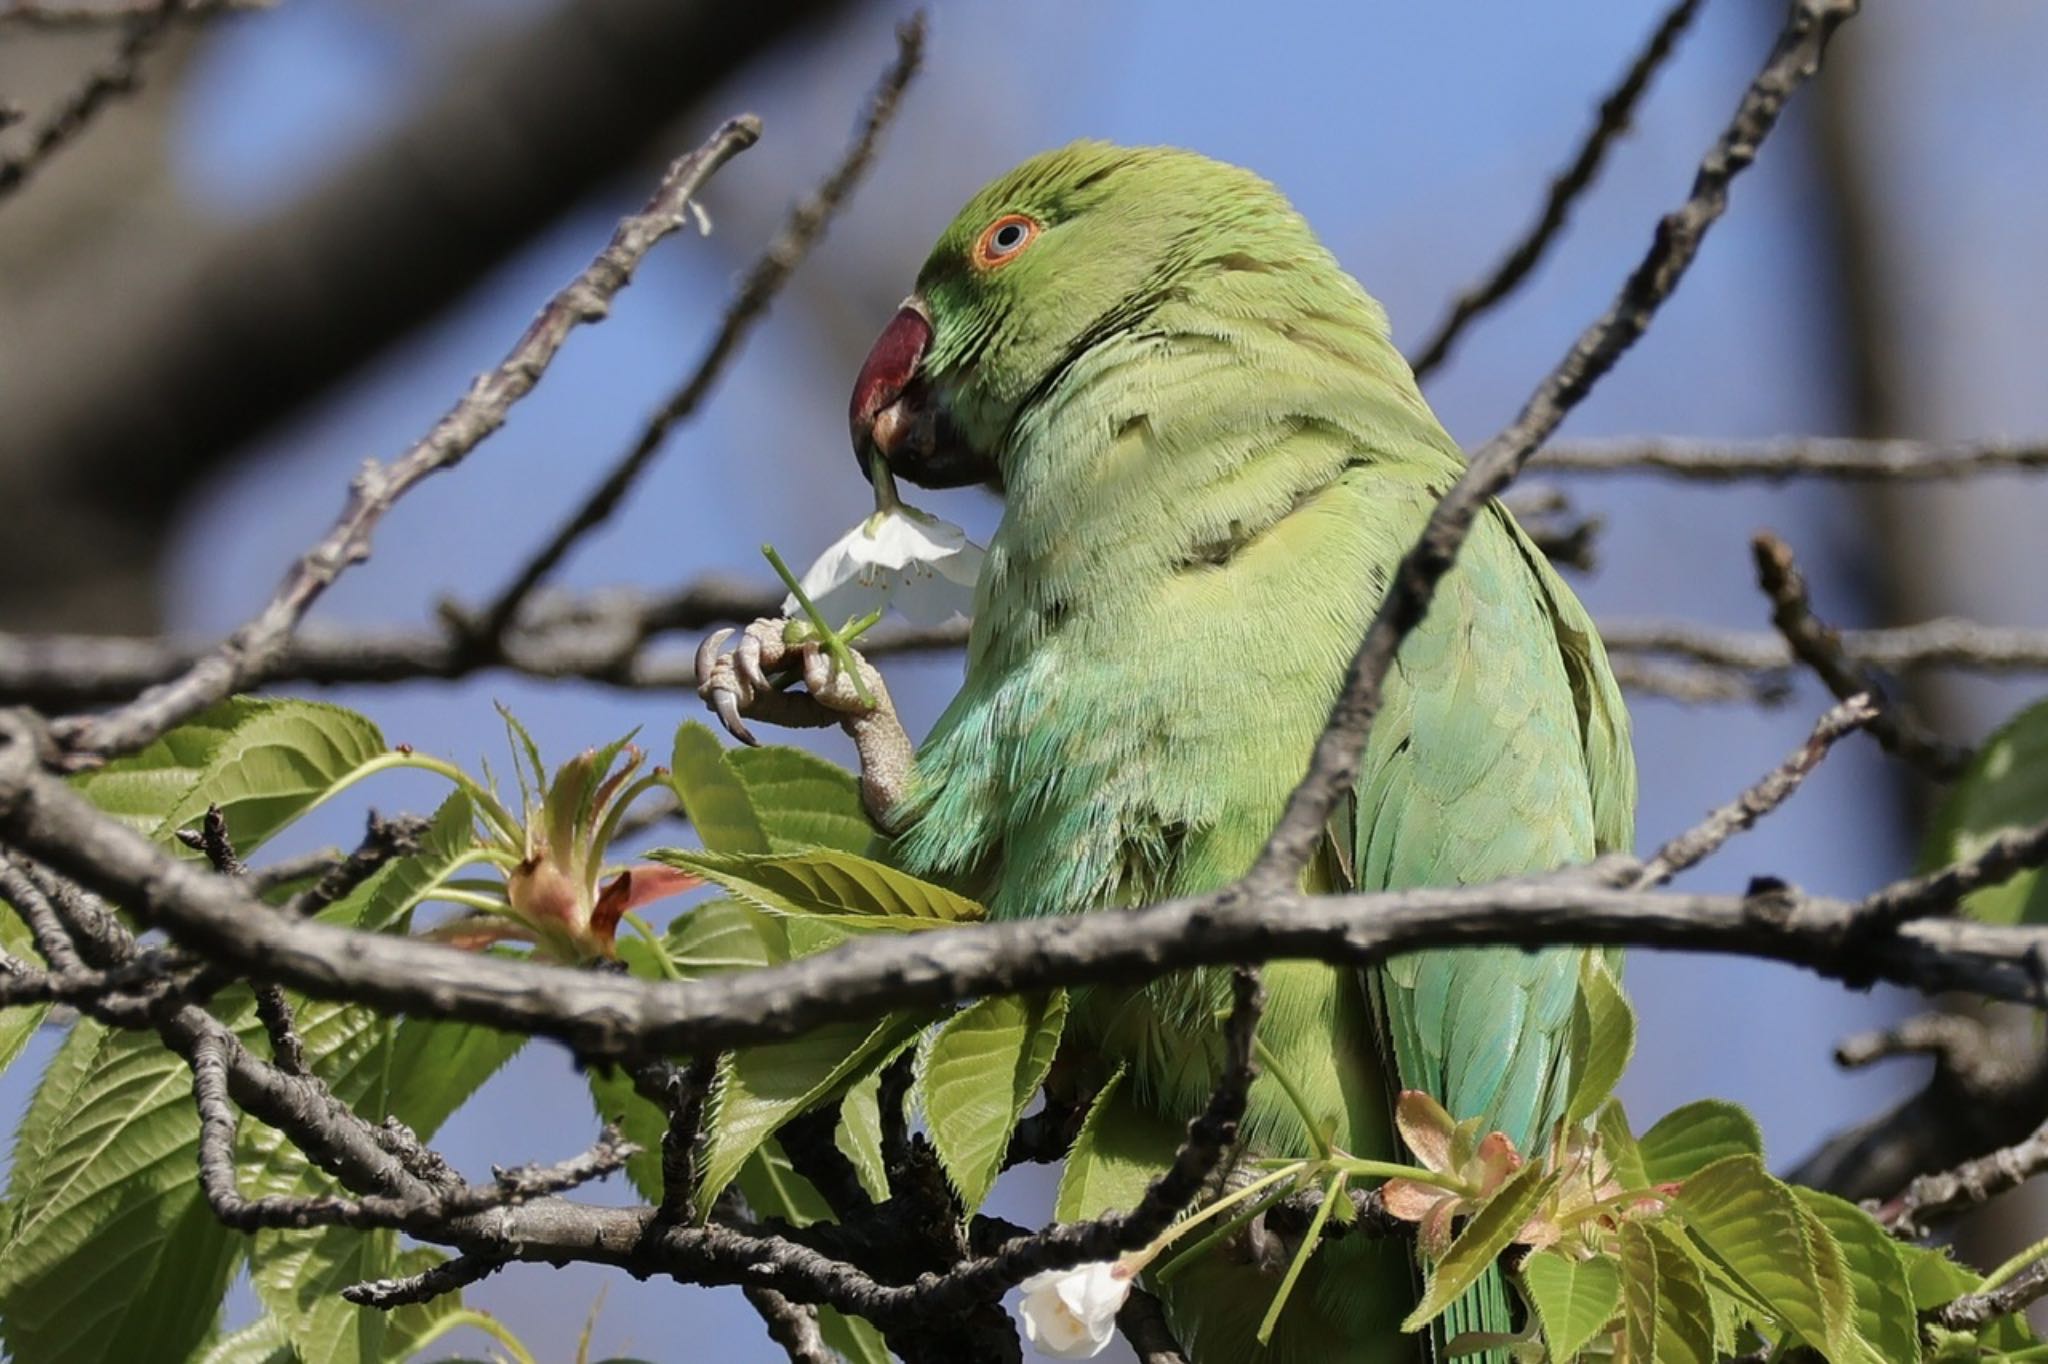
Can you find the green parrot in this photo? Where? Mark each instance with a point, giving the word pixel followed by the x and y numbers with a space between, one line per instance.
pixel 1211 457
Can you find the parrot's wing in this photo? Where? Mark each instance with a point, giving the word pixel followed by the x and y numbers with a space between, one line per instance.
pixel 1501 749
pixel 1481 767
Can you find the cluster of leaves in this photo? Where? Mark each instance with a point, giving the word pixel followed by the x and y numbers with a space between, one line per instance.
pixel 1677 1244
pixel 107 1247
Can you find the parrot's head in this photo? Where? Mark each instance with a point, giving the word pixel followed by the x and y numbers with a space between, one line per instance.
pixel 1045 262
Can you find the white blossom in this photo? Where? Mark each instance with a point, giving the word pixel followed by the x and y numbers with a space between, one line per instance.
pixel 1071 1313
pixel 898 558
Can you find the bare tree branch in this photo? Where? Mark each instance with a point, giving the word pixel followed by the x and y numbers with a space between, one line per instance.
pixel 1819 648
pixel 50 14
pixel 1989 1089
pixel 248 652
pixel 792 1325
pixel 1975 1311
pixel 1720 461
pixel 805 227
pixel 1701 841
pixel 119 75
pixel 1566 186
pixel 449 1276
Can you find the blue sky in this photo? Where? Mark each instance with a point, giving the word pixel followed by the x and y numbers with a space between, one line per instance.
pixel 1418 139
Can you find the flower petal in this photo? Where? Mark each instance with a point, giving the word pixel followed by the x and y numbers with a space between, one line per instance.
pixel 919 564
pixel 632 888
pixel 1410 1200
pixel 1071 1313
pixel 1427 1129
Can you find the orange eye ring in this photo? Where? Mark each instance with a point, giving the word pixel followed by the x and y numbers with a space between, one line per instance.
pixel 1004 239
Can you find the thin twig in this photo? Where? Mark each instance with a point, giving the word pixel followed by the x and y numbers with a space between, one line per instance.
pixel 1816 645
pixel 1721 461
pixel 758 288
pixel 118 76
pixel 1333 768
pixel 1975 1311
pixel 1945 642
pixel 1616 112
pixel 251 650
pixel 1931 1198
pixel 49 14
pixel 601 637
pixel 1701 841
pixel 680 1093
pixel 792 1325
pixel 449 1276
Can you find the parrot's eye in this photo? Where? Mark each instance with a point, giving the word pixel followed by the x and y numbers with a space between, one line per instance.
pixel 1003 239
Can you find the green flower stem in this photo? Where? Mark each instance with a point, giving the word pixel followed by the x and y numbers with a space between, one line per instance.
pixel 883 480
pixel 2005 1273
pixel 488 904
pixel 487 804
pixel 1387 1169
pixel 1229 1200
pixel 1271 1064
pixel 1331 1193
pixel 661 957
pixel 1189 1254
pixel 482 1321
pixel 833 640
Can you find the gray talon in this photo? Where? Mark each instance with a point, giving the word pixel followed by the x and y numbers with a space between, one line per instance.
pixel 746 660
pixel 707 652
pixel 728 708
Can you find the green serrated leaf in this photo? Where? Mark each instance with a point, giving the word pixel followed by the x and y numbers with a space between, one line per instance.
pixel 138 787
pixel 416 1070
pixel 2004 788
pixel 804 801
pixel 707 939
pixel 1574 1299
pixel 1693 1137
pixel 1665 1316
pixel 1603 1037
pixel 761 1088
pixel 1934 1278
pixel 771 1184
pixel 829 883
pixel 984 1065
pixel 299 1275
pixel 855 1338
pixel 19 1022
pixel 1755 1228
pixel 1883 1298
pixel 724 935
pixel 110 1251
pixel 1121 1149
pixel 1489 1231
pixel 1618 1144
pixel 615 1100
pixel 713 794
pixel 398 887
pixel 280 757
pixel 859 1133
pixel 262 1341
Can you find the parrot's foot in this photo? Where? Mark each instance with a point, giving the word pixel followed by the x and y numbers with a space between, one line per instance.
pixel 737 684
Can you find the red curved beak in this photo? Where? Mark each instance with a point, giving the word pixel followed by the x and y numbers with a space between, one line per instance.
pixel 895 412
pixel 878 415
